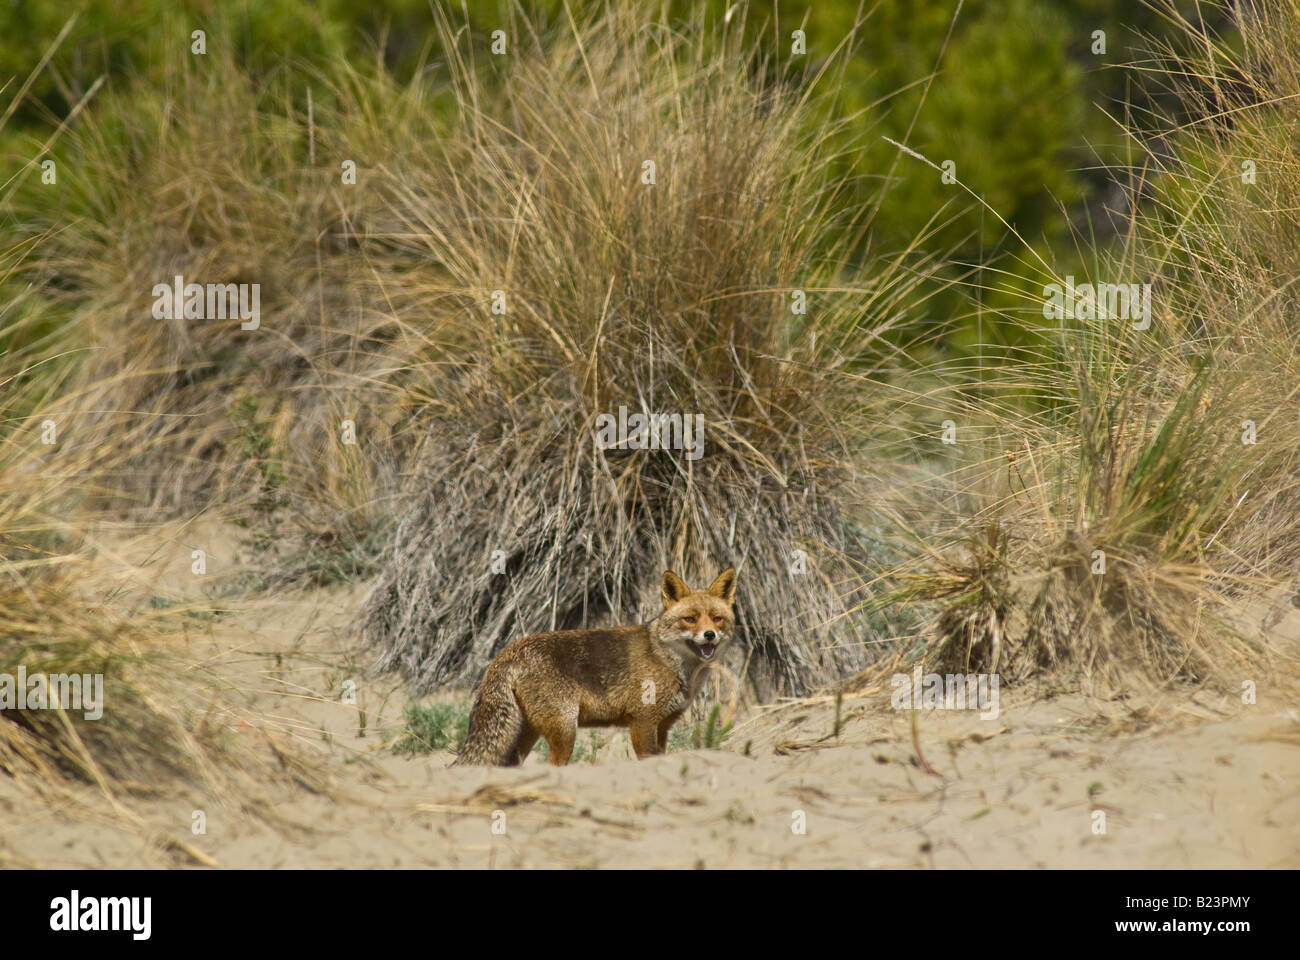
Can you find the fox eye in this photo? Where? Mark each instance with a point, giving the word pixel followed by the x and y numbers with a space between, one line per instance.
pixel 717 619
pixel 690 619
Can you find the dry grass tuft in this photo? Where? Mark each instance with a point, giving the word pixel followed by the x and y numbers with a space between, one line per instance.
pixel 1116 533
pixel 666 298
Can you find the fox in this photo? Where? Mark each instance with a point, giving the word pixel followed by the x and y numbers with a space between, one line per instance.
pixel 639 677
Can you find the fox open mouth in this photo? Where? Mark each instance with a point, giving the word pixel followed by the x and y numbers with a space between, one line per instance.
pixel 704 651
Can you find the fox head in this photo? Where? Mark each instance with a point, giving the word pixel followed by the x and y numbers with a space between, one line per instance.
pixel 698 621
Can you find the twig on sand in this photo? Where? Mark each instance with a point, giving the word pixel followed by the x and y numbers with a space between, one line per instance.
pixel 916 746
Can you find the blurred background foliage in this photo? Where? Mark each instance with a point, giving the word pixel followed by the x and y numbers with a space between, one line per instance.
pixel 1012 92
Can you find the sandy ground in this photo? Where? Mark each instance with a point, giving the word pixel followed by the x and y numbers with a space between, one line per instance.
pixel 1184 782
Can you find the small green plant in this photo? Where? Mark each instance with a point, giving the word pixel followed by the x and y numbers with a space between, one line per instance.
pixel 738 814
pixel 256 445
pixel 440 726
pixel 681 737
pixel 337 556
pixel 708 735
pixel 715 730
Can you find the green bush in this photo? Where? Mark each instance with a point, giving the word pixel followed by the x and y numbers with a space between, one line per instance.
pixel 440 726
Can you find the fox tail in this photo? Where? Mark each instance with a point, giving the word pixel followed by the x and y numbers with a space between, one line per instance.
pixel 495 725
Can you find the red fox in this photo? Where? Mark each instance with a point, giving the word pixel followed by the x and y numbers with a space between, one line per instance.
pixel 643 678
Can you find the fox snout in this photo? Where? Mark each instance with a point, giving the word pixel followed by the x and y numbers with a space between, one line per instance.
pixel 704 645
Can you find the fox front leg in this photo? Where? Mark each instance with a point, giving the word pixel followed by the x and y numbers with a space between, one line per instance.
pixel 644 736
pixel 665 725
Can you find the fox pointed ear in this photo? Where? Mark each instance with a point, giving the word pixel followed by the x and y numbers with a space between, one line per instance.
pixel 673 589
pixel 725 586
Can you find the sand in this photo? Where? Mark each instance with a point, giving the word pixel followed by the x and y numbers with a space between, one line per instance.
pixel 1182 781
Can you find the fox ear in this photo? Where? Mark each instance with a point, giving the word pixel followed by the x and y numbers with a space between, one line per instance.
pixel 673 589
pixel 725 586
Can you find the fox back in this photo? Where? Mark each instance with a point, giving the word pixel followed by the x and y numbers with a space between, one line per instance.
pixel 641 677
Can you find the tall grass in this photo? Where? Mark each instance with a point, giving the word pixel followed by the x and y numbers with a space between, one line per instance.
pixel 668 297
pixel 1127 529
pixel 65 611
pixel 209 176
pixel 67 608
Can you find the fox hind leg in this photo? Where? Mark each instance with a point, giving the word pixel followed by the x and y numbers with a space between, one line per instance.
pixel 561 744
pixel 528 738
pixel 561 732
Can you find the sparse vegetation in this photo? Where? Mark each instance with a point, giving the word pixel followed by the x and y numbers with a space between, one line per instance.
pixel 707 734
pixel 55 622
pixel 438 726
